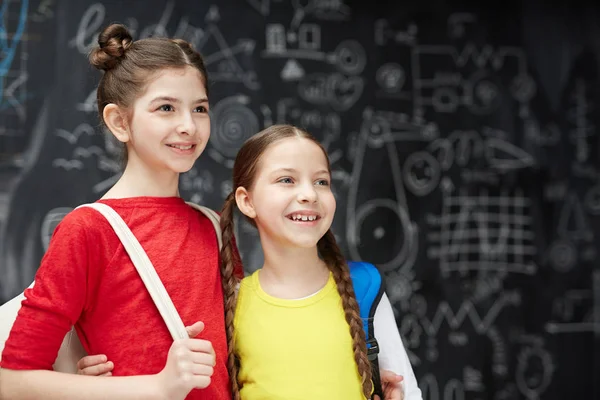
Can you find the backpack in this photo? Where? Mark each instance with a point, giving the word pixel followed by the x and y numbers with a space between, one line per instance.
pixel 368 288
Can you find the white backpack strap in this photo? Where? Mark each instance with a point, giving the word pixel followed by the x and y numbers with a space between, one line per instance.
pixel 214 218
pixel 145 269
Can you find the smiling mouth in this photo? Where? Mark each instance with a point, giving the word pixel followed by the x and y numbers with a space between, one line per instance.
pixel 303 218
pixel 187 147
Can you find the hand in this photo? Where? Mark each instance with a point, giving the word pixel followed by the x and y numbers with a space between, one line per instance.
pixel 189 365
pixel 97 365
pixel 391 385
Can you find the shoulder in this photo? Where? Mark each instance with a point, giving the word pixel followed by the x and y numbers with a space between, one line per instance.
pixel 248 282
pixel 247 288
pixel 82 219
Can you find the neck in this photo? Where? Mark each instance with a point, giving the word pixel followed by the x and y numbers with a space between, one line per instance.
pixel 292 272
pixel 138 180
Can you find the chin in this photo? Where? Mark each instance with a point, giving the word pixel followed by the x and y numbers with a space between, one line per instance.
pixel 181 169
pixel 305 243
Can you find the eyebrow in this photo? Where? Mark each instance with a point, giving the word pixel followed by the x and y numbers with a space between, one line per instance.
pixel 292 170
pixel 174 100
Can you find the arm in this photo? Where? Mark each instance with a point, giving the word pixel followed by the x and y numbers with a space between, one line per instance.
pixel 50 385
pixel 392 354
pixel 189 366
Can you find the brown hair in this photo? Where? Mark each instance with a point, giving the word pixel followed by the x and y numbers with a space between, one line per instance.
pixel 129 65
pixel 244 172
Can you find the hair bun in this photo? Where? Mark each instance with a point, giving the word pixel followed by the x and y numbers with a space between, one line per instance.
pixel 113 42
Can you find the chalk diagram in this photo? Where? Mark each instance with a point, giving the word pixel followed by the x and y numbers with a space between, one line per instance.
pixel 13 68
pixel 481 92
pixel 340 89
pixel 476 230
pixel 577 310
pixel 573 232
pixel 221 59
pixel 575 237
pixel 86 152
pixel 232 122
pixel 365 221
pixel 302 41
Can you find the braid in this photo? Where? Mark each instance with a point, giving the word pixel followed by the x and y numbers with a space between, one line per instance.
pixel 332 256
pixel 229 281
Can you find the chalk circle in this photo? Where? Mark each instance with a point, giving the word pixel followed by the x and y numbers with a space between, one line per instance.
pixel 350 57
pixel 377 130
pixel 523 88
pixel 485 93
pixel 231 124
pixel 400 287
pixel 534 371
pixel 49 223
pixel 445 100
pixel 421 173
pixel 562 255
pixel 391 77
pixel 382 233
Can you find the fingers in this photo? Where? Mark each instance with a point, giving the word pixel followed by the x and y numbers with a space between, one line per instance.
pixel 391 384
pixel 202 370
pixel 199 345
pixel 103 369
pixel 89 361
pixel 393 392
pixel 390 377
pixel 96 365
pixel 204 358
pixel 195 329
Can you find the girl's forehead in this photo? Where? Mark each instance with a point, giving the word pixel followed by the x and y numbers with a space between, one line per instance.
pixel 174 80
pixel 294 153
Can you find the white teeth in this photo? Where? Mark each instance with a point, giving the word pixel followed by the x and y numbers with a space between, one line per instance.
pixel 189 146
pixel 299 217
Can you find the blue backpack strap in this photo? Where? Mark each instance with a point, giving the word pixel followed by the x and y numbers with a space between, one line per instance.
pixel 368 288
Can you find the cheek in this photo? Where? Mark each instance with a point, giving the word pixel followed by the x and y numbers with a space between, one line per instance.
pixel 330 202
pixel 204 127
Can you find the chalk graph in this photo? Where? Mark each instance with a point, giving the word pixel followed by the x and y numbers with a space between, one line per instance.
pixel 484 232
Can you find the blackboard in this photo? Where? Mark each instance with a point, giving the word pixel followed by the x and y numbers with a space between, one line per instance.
pixel 463 138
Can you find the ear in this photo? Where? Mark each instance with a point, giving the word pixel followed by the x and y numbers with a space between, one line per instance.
pixel 115 119
pixel 244 202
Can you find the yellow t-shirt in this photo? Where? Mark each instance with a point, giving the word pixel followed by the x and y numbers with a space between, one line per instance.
pixel 294 349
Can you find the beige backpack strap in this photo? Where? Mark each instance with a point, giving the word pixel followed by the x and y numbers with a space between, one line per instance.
pixel 213 217
pixel 146 270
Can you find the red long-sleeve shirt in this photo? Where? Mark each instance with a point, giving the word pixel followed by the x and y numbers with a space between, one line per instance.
pixel 87 279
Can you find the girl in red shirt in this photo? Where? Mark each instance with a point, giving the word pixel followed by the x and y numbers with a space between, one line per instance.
pixel 153 98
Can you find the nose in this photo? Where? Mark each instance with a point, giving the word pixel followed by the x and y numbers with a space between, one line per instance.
pixel 187 125
pixel 307 194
